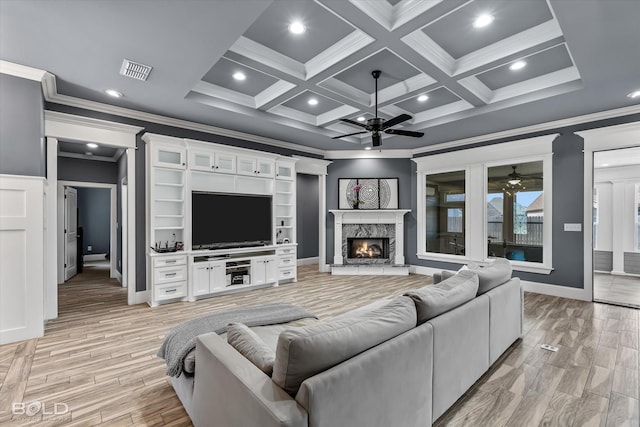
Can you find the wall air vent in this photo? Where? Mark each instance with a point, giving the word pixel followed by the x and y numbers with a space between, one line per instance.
pixel 135 70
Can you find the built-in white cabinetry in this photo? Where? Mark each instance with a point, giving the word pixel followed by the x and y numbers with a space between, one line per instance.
pixel 177 167
pixel 255 166
pixel 264 270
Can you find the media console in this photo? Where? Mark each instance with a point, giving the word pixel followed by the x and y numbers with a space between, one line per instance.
pixel 176 169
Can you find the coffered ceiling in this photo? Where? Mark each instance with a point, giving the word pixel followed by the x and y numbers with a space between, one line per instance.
pixel 455 79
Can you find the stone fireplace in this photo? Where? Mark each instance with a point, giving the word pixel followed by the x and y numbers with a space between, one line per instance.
pixel 369 241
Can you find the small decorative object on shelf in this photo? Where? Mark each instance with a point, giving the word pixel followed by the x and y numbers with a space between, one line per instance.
pixel 355 199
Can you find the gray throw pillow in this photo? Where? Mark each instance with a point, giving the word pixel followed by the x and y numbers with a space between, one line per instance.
pixel 492 275
pixel 247 343
pixel 307 351
pixel 433 300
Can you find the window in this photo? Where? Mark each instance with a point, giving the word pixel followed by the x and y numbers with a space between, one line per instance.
pixel 515 211
pixel 485 202
pixel 445 213
pixel 637 209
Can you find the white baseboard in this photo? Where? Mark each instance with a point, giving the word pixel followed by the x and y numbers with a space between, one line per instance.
pixel 308 261
pixel 425 271
pixel 602 272
pixel 555 290
pixel 141 297
pixel 325 268
pixel 118 277
pixel 95 257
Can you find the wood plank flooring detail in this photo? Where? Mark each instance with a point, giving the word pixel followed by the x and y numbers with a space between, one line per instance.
pixel 99 358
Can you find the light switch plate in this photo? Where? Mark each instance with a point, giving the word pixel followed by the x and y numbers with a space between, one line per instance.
pixel 572 227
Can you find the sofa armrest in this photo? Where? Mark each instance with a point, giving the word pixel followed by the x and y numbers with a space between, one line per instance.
pixel 230 391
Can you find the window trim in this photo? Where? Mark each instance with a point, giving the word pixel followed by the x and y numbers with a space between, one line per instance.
pixel 475 161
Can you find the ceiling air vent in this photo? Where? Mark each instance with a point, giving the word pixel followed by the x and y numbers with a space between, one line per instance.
pixel 135 70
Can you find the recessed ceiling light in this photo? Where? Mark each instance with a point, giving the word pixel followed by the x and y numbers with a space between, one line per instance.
pixel 297 27
pixel 239 76
pixel 634 94
pixel 518 65
pixel 423 98
pixel 89 153
pixel 92 145
pixel 312 101
pixel 483 20
pixel 361 119
pixel 114 93
pixel 367 148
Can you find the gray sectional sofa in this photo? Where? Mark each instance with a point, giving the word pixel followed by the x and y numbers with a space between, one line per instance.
pixel 399 362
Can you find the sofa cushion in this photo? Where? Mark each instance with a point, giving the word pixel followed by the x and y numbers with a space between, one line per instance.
pixel 433 300
pixel 247 343
pixel 304 352
pixel 492 275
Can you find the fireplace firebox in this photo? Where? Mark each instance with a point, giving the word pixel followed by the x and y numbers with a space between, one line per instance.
pixel 368 248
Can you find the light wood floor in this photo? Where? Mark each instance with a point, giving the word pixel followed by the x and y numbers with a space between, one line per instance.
pixel 621 290
pixel 99 358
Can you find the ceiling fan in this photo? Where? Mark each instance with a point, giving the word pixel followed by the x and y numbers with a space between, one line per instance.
pixel 378 125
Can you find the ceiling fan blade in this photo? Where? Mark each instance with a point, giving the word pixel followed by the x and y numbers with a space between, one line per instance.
pixel 396 120
pixel 349 134
pixel 404 133
pixel 353 122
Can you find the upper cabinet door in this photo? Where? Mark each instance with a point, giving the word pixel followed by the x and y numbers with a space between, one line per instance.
pixel 169 157
pixel 264 168
pixel 225 163
pixel 201 160
pixel 246 166
pixel 285 171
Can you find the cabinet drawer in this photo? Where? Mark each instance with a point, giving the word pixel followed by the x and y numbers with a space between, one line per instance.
pixel 286 251
pixel 170 274
pixel 287 261
pixel 169 291
pixel 287 273
pixel 168 261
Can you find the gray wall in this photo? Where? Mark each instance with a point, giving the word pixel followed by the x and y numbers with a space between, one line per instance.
pixel 370 168
pixel 121 173
pixel 22 150
pixel 94 209
pixel 307 215
pixel 631 263
pixel 72 169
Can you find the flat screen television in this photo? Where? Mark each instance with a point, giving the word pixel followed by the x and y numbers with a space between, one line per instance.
pixel 230 220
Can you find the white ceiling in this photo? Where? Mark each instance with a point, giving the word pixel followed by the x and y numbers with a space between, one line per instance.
pixel 582 58
pixel 617 158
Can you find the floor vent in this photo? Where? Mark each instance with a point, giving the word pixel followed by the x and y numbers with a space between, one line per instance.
pixel 135 70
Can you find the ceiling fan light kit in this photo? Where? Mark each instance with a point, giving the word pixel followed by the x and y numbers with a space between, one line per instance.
pixel 378 125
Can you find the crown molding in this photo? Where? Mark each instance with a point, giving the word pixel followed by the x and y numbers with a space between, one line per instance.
pixel 368 154
pixel 21 71
pixel 602 115
pixel 71 119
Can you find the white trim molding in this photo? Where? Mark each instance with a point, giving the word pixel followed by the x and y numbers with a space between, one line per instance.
pixel 368 154
pixel 307 261
pixel 608 138
pixel 22 71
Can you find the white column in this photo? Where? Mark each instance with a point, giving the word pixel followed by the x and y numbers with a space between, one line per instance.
pixel 322 215
pixel 618 227
pixel 51 232
pixel 337 237
pixel 399 238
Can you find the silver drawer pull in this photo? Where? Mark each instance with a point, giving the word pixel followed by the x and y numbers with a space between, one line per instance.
pixel 170 290
pixel 170 274
pixel 171 261
pixel 286 273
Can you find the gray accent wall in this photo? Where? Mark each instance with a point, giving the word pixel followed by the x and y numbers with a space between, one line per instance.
pixel 22 148
pixel 372 168
pixel 632 262
pixel 94 209
pixel 603 260
pixel 72 169
pixel 307 215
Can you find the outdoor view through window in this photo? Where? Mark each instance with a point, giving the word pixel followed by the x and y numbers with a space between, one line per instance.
pixel 445 213
pixel 515 211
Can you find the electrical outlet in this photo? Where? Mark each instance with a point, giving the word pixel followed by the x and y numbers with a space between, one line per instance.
pixel 572 227
pixel 89 248
pixel 549 347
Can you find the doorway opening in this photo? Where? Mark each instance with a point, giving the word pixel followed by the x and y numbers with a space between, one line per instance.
pixel 616 227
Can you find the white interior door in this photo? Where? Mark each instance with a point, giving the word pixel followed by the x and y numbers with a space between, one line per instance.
pixel 124 234
pixel 70 232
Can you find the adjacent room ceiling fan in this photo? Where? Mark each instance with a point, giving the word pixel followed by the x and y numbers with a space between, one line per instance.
pixel 378 125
